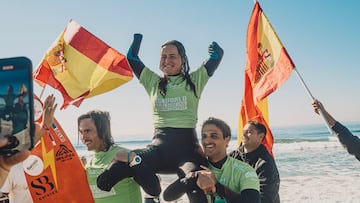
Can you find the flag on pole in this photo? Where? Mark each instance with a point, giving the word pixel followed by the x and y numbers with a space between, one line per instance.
pixel 80 65
pixel 268 63
pixel 268 66
pixel 54 171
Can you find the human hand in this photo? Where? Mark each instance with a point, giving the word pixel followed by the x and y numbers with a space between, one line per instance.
pixel 133 51
pixel 206 180
pixel 6 162
pixel 49 110
pixel 317 105
pixel 83 160
pixel 215 51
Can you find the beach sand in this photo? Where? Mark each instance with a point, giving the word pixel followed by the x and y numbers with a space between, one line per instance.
pixel 332 189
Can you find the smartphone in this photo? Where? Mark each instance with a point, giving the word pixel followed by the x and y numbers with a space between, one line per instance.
pixel 16 104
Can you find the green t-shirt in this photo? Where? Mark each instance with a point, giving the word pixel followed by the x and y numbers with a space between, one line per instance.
pixel 125 191
pixel 178 109
pixel 236 175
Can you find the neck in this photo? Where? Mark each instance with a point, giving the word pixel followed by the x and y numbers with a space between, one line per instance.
pixel 248 149
pixel 103 148
pixel 218 163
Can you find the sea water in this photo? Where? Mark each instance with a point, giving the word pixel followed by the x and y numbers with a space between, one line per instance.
pixel 313 165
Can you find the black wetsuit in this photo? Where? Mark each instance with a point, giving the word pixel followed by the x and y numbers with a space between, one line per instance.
pixel 347 139
pixel 265 167
pixel 174 149
pixel 181 186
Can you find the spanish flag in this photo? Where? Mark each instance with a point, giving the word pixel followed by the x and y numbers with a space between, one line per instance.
pixel 268 66
pixel 80 65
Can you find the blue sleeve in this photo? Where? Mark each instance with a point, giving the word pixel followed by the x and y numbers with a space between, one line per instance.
pixel 133 56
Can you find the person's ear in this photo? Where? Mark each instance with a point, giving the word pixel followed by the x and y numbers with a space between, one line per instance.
pixel 262 135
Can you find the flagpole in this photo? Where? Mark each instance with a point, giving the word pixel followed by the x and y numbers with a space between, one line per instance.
pixel 312 98
pixel 42 91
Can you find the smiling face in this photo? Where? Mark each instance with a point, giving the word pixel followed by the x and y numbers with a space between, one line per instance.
pixel 213 142
pixel 251 138
pixel 89 135
pixel 170 61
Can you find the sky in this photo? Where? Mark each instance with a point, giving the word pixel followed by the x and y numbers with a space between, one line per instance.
pixel 321 37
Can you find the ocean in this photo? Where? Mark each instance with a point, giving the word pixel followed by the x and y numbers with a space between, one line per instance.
pixel 313 165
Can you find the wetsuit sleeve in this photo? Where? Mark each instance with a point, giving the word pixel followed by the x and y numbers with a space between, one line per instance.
pixel 133 56
pixel 147 179
pixel 347 139
pixel 178 188
pixel 142 174
pixel 269 182
pixel 247 195
pixel 216 53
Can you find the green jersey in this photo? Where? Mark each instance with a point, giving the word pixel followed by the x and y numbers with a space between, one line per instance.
pixel 178 109
pixel 125 191
pixel 236 175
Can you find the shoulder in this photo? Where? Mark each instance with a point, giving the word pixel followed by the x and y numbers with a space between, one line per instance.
pixel 236 154
pixel 200 70
pixel 117 148
pixel 265 159
pixel 238 165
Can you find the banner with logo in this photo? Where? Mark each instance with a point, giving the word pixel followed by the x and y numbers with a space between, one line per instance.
pixel 53 171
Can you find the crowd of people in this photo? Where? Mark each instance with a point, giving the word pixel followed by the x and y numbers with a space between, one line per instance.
pixel 206 173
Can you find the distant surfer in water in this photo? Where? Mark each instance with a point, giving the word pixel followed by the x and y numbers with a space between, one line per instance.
pixel 174 97
pixel 347 139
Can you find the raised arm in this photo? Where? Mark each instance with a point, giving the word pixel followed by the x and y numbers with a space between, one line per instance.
pixel 216 53
pixel 48 118
pixel 346 138
pixel 133 55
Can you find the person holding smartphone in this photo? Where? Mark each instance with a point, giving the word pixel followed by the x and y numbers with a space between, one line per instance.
pixel 15 185
pixel 15 73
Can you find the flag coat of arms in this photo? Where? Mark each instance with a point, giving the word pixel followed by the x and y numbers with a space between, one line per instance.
pixel 80 65
pixel 53 171
pixel 268 66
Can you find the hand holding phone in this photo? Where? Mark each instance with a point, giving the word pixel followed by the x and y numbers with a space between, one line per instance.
pixel 16 105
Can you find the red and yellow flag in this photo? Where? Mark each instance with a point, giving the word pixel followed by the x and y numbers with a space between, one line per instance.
pixel 268 66
pixel 80 66
pixel 54 171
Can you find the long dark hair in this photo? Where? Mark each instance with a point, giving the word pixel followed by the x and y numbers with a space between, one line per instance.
pixel 102 122
pixel 185 68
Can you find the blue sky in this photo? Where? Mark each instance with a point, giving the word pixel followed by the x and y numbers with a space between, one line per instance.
pixel 320 36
